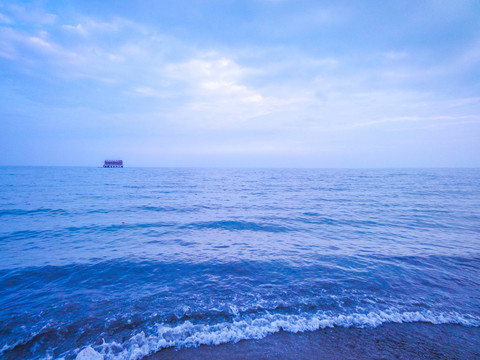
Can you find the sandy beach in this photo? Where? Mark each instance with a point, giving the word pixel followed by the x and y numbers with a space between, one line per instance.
pixel 389 341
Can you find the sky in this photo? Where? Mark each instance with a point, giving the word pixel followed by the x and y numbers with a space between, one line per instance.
pixel 248 83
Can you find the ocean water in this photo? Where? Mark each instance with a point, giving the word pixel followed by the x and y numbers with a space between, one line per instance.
pixel 154 263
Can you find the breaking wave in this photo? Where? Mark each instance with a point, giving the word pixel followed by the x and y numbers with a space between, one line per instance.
pixel 188 334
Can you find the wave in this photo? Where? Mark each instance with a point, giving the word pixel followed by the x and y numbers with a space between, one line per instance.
pixel 75 230
pixel 17 212
pixel 236 226
pixel 188 334
pixel 98 229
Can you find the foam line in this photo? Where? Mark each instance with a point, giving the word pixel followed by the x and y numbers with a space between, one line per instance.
pixel 188 334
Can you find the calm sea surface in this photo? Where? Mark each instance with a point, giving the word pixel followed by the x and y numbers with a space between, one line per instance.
pixel 132 262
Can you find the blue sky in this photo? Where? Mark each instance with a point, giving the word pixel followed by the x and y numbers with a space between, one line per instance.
pixel 266 83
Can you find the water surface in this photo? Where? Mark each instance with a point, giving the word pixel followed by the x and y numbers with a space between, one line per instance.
pixel 140 261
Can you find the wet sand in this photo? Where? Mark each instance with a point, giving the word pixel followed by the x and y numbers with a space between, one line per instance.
pixel 389 341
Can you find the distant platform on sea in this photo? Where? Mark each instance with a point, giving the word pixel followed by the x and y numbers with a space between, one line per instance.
pixel 113 164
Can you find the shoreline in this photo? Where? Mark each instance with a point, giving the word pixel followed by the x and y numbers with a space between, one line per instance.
pixel 388 341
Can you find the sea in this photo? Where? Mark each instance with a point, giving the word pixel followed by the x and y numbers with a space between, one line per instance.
pixel 187 263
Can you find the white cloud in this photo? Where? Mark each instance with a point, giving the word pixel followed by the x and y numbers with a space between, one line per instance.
pixel 149 92
pixel 41 44
pixel 90 27
pixel 217 90
pixel 5 19
pixel 19 46
pixel 79 29
pixel 31 15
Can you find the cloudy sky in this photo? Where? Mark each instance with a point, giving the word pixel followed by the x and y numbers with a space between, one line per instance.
pixel 248 83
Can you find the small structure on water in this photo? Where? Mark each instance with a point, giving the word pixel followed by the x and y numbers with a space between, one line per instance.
pixel 113 164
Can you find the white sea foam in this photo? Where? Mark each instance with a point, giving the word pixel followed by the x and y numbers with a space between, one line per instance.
pixel 188 334
pixel 89 354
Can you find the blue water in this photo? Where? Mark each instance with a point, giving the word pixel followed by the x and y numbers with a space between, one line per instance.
pixel 132 261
